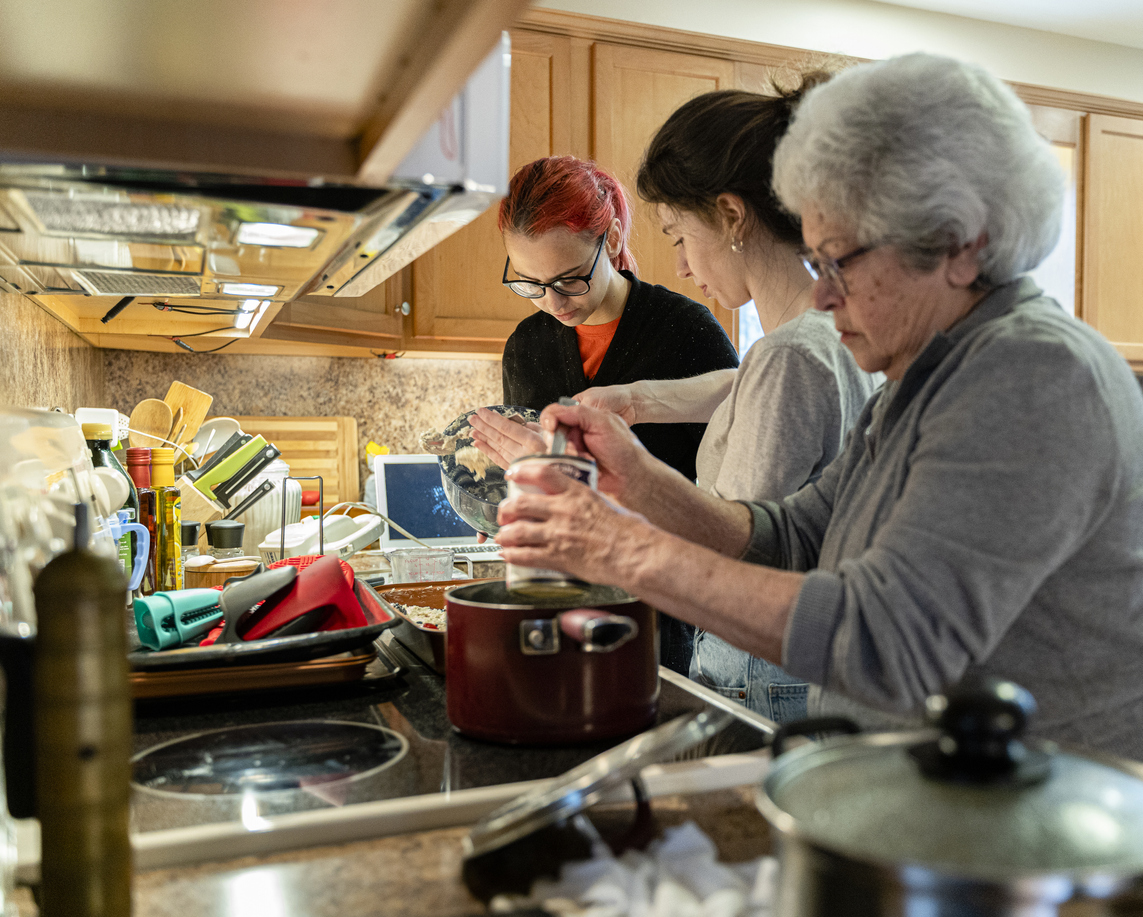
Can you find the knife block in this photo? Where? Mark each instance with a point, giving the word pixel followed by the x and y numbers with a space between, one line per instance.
pixel 197 508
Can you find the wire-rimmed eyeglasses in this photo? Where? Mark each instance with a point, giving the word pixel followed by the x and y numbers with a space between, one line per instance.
pixel 565 286
pixel 829 269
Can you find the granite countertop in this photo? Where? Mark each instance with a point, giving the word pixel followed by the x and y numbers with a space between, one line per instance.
pixel 411 875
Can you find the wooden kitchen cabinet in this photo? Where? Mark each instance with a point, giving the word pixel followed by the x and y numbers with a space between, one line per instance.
pixel 1113 232
pixel 634 91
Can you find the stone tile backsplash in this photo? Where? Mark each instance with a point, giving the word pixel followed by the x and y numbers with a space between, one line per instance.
pixel 42 363
pixel 394 401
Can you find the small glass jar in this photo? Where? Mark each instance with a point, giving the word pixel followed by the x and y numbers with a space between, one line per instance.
pixel 189 540
pixel 225 537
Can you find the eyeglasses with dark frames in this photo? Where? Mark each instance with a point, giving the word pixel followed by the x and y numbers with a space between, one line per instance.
pixel 829 269
pixel 565 286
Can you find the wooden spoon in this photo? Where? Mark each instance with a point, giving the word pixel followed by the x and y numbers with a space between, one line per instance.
pixel 150 423
pixel 178 419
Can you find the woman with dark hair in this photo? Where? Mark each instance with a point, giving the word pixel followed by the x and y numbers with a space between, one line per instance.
pixel 782 417
pixel 565 224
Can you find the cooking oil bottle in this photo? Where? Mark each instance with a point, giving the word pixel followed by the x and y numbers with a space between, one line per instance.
pixel 168 516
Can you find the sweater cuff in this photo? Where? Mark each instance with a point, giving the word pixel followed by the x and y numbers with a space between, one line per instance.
pixel 811 625
pixel 762 548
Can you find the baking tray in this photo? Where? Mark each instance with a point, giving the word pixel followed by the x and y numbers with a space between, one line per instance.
pixel 297 648
pixel 425 642
pixel 339 669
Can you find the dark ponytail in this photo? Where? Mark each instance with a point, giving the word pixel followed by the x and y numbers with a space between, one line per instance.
pixel 724 141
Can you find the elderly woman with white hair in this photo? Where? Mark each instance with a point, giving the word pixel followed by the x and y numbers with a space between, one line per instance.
pixel 986 514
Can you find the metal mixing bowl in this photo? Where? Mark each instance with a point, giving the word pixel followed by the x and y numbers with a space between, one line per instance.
pixel 476 501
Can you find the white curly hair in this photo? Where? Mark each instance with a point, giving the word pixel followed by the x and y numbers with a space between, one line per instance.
pixel 925 153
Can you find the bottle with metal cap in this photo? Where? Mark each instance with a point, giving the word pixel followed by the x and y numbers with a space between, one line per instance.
pixel 99 436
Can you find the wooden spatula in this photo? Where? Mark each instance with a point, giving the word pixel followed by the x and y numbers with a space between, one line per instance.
pixel 176 423
pixel 150 422
pixel 195 405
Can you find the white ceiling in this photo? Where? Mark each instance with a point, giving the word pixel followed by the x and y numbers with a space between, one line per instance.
pixel 1116 21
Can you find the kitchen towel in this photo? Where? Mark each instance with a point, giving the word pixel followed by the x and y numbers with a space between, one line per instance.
pixel 677 876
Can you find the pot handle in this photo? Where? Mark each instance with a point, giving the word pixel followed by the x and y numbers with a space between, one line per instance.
pixel 598 631
pixel 810 726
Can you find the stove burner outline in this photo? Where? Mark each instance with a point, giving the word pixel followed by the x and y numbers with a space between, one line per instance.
pixel 268 760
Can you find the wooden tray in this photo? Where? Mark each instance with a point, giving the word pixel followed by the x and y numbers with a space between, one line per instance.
pixel 345 667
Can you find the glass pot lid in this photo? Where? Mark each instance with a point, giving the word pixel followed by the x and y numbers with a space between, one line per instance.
pixel 970 799
pixel 583 786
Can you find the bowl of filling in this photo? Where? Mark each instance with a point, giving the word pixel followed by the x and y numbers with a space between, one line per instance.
pixel 473 483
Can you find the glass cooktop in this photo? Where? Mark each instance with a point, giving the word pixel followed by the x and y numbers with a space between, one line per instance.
pixel 247 757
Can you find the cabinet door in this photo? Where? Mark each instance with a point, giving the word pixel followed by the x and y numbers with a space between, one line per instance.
pixel 457 293
pixel 1113 232
pixel 635 90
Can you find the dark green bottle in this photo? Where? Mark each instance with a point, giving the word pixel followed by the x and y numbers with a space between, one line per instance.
pixel 82 716
pixel 98 436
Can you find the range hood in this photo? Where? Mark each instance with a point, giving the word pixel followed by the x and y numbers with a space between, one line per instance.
pixel 83 229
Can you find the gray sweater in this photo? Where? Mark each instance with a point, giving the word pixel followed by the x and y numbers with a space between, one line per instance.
pixel 985 517
pixel 796 394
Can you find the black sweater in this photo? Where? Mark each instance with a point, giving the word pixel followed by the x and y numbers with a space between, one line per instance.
pixel 661 335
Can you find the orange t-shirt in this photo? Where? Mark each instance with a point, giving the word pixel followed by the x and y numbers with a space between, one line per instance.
pixel 593 343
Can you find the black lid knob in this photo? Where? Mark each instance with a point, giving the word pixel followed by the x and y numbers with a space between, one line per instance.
pixel 189 532
pixel 225 533
pixel 982 720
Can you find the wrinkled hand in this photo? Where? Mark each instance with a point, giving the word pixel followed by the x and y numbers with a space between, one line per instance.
pixel 504 440
pixel 605 438
pixel 566 526
pixel 614 398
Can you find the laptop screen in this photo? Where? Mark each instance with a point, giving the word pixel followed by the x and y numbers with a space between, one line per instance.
pixel 410 492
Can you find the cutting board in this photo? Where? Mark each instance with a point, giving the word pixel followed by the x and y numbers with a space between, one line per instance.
pixel 195 405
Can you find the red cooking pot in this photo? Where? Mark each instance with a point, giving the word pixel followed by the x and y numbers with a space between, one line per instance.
pixel 525 669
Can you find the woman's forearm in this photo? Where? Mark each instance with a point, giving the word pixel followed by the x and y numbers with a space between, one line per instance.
pixel 690 400
pixel 746 605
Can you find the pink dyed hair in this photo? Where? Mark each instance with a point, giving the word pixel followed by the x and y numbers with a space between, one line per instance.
pixel 563 191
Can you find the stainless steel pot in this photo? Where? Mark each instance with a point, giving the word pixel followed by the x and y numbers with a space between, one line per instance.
pixel 963 819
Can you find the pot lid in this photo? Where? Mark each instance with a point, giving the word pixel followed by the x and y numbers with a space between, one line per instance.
pixel 583 786
pixel 970 799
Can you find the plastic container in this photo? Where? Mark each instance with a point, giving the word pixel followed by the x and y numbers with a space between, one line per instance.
pixel 265 516
pixel 421 565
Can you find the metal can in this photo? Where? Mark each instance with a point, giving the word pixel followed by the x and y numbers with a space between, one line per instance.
pixel 536 581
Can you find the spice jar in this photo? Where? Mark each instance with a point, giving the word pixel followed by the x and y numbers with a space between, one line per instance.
pixel 225 537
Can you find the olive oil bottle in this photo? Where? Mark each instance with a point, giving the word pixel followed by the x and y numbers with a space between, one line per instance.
pixel 168 518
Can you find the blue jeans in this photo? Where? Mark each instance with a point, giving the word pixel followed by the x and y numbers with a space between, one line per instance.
pixel 755 683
